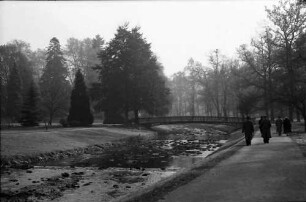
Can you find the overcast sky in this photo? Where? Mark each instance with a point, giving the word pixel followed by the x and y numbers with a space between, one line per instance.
pixel 177 30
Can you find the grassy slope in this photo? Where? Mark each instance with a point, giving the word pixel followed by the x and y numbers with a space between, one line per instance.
pixel 28 142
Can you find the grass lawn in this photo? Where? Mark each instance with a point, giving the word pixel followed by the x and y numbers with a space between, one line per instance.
pixel 29 142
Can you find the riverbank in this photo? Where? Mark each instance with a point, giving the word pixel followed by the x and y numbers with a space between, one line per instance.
pixel 110 171
pixel 21 148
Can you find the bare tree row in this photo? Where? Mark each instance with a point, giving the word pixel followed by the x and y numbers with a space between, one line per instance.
pixel 268 77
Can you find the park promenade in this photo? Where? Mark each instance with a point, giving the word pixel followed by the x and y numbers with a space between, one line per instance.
pixel 274 172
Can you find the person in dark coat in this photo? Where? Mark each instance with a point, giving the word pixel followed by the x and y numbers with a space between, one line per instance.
pixel 248 130
pixel 265 126
pixel 287 126
pixel 279 125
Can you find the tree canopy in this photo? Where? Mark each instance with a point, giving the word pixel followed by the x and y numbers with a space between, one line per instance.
pixel 130 75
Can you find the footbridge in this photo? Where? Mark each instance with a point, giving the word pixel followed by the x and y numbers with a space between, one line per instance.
pixel 149 121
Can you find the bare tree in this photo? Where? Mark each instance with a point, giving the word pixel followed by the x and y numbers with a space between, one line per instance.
pixel 288 23
pixel 260 60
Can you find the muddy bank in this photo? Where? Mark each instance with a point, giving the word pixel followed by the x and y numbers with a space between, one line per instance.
pixel 36 185
pixel 75 184
pixel 110 171
pixel 26 162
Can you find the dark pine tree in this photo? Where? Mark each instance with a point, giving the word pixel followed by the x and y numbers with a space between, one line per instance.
pixel 30 110
pixel 79 113
pixel 14 95
pixel 54 86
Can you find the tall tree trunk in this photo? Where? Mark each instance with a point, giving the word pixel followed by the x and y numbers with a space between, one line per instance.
pixel 271 104
pixel 126 115
pixel 298 116
pixel 198 109
pixel 224 112
pixel 180 106
pixel 209 109
pixel 50 118
pixel 304 117
pixel 272 112
pixel 266 98
pixel 290 109
pixel 218 106
pixel 136 116
pixel 303 113
pixel 281 111
pixel 291 78
pixel 192 100
pixel 225 102
pixel 126 97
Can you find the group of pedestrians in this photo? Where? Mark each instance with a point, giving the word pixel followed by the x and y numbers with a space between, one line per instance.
pixel 265 128
pixel 283 124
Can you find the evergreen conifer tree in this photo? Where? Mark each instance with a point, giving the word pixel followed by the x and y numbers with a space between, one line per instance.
pixel 79 113
pixel 130 77
pixel 14 95
pixel 30 110
pixel 55 88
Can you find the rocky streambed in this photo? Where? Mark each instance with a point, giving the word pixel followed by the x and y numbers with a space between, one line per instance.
pixel 106 173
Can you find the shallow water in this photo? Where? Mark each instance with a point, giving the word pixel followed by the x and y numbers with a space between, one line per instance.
pixel 164 151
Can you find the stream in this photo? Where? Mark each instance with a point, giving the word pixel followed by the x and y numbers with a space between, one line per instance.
pixel 165 150
pixel 125 167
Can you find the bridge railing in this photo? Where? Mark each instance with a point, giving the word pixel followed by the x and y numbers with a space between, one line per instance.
pixel 195 119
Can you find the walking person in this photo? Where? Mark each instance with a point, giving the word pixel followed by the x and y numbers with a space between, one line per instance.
pixel 287 126
pixel 265 126
pixel 248 130
pixel 279 125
